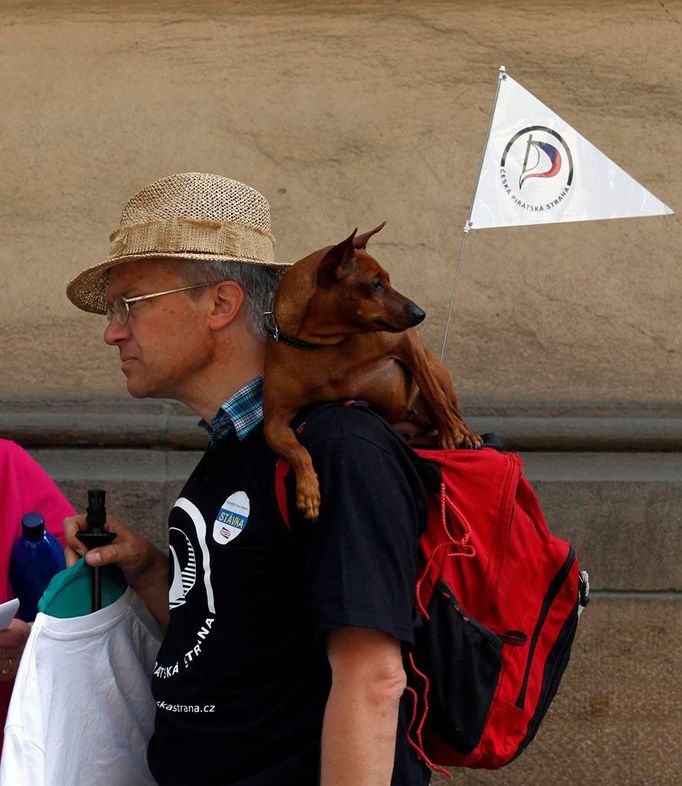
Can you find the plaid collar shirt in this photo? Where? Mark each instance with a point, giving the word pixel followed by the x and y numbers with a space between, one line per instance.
pixel 240 414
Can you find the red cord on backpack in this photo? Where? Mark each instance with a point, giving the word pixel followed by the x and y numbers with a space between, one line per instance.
pixel 418 745
pixel 468 549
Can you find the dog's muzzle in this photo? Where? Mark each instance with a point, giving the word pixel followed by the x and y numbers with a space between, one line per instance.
pixel 416 314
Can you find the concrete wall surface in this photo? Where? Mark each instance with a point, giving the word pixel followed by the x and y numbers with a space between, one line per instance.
pixel 346 114
pixel 565 339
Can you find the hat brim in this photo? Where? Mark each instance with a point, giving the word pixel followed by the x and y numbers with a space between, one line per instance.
pixel 88 290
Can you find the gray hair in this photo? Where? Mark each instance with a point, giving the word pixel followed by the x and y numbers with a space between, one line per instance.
pixel 258 282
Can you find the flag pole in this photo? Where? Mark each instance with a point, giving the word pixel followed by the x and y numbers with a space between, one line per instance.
pixel 502 75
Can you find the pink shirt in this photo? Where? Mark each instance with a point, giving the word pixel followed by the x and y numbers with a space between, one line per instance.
pixel 24 487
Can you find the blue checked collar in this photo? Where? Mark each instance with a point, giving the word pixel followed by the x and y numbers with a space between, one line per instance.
pixel 240 414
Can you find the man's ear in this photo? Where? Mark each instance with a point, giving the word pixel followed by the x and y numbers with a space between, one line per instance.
pixel 228 299
pixel 336 263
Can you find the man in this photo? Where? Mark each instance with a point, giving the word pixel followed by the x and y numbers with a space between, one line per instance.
pixel 282 659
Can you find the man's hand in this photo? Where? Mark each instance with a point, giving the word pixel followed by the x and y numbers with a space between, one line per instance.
pixel 12 643
pixel 144 566
pixel 361 717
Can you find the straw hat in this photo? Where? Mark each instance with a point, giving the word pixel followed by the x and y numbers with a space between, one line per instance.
pixel 192 215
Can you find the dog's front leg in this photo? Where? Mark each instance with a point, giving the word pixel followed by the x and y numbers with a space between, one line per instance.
pixel 282 440
pixel 438 391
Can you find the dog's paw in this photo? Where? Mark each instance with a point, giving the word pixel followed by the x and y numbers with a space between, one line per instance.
pixel 309 507
pixel 447 441
pixel 308 497
pixel 470 440
pixel 460 437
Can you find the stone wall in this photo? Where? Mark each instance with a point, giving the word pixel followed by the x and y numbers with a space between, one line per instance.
pixel 565 339
pixel 345 115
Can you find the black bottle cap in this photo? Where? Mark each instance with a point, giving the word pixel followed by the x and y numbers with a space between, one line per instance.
pixel 33 526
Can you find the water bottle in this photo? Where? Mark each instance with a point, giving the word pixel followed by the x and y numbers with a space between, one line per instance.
pixel 36 557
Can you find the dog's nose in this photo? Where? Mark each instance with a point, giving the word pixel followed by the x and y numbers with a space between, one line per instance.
pixel 417 314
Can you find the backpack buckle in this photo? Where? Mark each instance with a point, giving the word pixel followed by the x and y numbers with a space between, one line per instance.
pixel 583 590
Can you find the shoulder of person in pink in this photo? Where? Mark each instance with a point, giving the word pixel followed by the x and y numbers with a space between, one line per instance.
pixel 25 487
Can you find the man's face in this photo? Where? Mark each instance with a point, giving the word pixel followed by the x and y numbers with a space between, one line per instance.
pixel 166 341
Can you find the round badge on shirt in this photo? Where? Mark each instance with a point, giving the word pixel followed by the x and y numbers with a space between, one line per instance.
pixel 232 518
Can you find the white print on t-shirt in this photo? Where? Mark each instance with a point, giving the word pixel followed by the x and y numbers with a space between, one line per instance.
pixel 200 527
pixel 185 575
pixel 189 560
pixel 185 707
pixel 164 672
pixel 232 518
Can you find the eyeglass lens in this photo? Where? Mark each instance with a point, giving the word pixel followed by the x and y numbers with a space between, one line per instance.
pixel 118 310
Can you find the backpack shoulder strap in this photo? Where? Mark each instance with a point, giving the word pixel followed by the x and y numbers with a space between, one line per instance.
pixel 282 468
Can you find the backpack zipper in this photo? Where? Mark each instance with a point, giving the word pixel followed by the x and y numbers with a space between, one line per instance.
pixel 550 595
pixel 506 515
pixel 450 596
pixel 554 669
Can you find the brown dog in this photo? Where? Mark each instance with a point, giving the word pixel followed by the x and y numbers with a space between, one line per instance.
pixel 340 331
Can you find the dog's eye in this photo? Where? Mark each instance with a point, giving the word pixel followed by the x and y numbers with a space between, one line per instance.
pixel 377 286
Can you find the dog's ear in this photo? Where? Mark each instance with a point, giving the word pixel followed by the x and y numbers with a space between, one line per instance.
pixel 336 263
pixel 361 240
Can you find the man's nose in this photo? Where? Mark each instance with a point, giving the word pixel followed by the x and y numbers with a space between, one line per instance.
pixel 115 332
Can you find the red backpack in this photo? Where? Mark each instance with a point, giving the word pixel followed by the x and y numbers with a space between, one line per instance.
pixel 496 600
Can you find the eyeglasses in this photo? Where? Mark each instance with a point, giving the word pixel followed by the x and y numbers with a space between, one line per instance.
pixel 120 308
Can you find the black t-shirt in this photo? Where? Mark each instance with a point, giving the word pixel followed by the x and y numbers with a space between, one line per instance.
pixel 242 677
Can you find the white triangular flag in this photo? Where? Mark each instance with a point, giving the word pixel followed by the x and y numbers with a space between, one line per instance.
pixel 538 170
